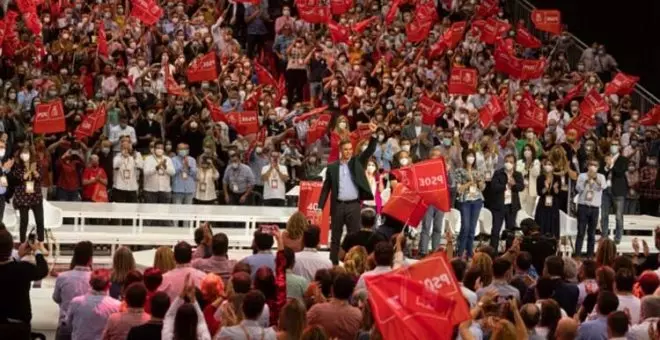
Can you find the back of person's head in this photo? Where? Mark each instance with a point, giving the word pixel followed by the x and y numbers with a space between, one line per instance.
pixel 122 263
pixel 545 287
pixel 312 236
pixel 624 280
pixel 649 282
pixel 355 261
pixel 293 319
pixel 296 225
pixel 530 315
pixel 524 261
pixel 264 280
pixel 623 261
pixel 588 269
pixel 132 276
pixel 459 267
pixel 212 287
pixel 504 330
pixel 566 329
pixel 242 267
pixel 315 332
pixel 185 323
pixel 198 236
pixel 135 295
pixel 182 253
pixel 82 254
pixel 650 307
pixel 605 278
pixel 617 324
pixel 220 244
pixel 263 241
pixel 6 244
pixel 501 267
pixel 164 259
pixel 153 277
pixel 488 250
pixel 324 278
pixel 368 218
pixel 570 270
pixel 343 286
pixel 383 253
pixel 241 282
pixel 484 263
pixel 550 315
pixel 253 304
pixel 606 252
pixel 529 226
pixel 607 303
pixel 99 280
pixel 470 279
pixel 554 266
pixel 160 303
pixel 289 258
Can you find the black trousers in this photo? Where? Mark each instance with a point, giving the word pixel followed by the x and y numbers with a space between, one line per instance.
pixel 15 331
pixel 255 43
pixel 506 216
pixel 124 196
pixel 295 85
pixel 343 213
pixel 38 211
pixel 273 202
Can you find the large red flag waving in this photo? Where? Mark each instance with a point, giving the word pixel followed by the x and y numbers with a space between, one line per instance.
pixel 202 68
pixel 49 118
pixel 463 81
pixel 406 206
pixel 263 76
pixel 581 124
pixel 147 11
pixel 593 103
pixel 216 113
pixel 547 20
pixel 573 92
pixel 621 84
pixel 531 115
pixel 526 39
pixel 418 31
pixel 652 117
pixel 428 179
pixel 102 41
pixel 492 112
pixel 245 123
pixel 361 26
pixel 430 109
pixel 338 33
pixel 318 128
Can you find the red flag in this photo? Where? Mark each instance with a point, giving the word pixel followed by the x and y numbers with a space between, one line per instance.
pixel 102 40
pixel 572 93
pixel 430 109
pixel 147 11
pixel 361 26
pixel 406 206
pixel 526 39
pixel 531 115
pixel 593 103
pixel 216 113
pixel 281 89
pixel 363 132
pixel 202 68
pixel 547 20
pixel 100 117
pixel 259 138
pixel 622 84
pixel 463 81
pixel 454 34
pixel 2 30
pixel 310 192
pixel 652 117
pixel 319 14
pixel 493 111
pixel 251 101
pixel 436 273
pixel 86 127
pixel 404 308
pixel 49 118
pixel 532 68
pixel 318 128
pixel 491 29
pixel 338 33
pixel 10 42
pixel 524 69
pixel 581 124
pixel 428 179
pixel 339 7
pixel 171 85
pixel 392 12
pixel 312 113
pixel 245 123
pixel 487 8
pixel 32 22
pixel 26 6
pixel 418 31
pixel 263 76
pixel 425 11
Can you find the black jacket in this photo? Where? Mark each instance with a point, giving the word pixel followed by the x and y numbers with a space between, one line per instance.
pixel 357 166
pixel 498 187
pixel 148 331
pixel 15 280
pixel 617 174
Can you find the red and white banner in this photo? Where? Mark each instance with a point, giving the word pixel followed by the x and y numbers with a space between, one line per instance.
pixel 491 29
pixel 526 39
pixel 102 40
pixel 171 85
pixel 452 36
pixel 318 128
pixel 319 14
pixel 339 7
pixel 86 127
pixel 622 84
pixel 49 118
pixel 406 206
pixel 216 113
pixel 492 112
pixel 32 22
pixel 593 103
pixel 404 308
pixel 430 109
pixel 581 124
pixel 202 69
pixel 652 117
pixel 531 115
pixel 524 69
pixel 463 81
pixel 338 33
pixel 147 11
pixel 428 179
pixel 487 8
pixel 310 192
pixel 425 11
pixel 245 123
pixel 418 31
pixel 361 26
pixel 392 12
pixel 572 93
pixel 264 77
pixel 363 132
pixel 310 114
pixel 547 20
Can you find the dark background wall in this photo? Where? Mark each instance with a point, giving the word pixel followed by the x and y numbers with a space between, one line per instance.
pixel 629 29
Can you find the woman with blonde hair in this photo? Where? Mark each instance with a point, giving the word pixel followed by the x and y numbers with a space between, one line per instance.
pixel 484 264
pixel 355 261
pixel 122 263
pixel 293 235
pixel 293 320
pixel 164 259
pixel 606 252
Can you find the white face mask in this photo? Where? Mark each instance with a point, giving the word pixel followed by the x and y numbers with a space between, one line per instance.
pixel 404 161
pixel 470 159
pixel 614 149
pixel 547 168
pixel 371 169
pixel 258 149
pixel 159 152
pixel 528 154
pixel 593 168
pixel 508 166
pixel 529 135
pixel 25 157
pixel 2 153
pixel 381 138
pixel 405 147
pixel 342 125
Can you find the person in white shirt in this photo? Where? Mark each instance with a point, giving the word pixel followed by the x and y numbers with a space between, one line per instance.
pixel 126 165
pixel 649 318
pixel 253 306
pixel 118 131
pixel 207 175
pixel 274 177
pixel 310 260
pixel 384 256
pixel 623 286
pixel 158 170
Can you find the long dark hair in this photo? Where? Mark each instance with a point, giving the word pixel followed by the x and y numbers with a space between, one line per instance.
pixel 185 323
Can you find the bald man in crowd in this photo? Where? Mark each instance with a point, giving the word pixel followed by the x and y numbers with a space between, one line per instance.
pixel 566 329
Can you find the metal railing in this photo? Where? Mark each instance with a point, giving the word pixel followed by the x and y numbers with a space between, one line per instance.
pixel 518 10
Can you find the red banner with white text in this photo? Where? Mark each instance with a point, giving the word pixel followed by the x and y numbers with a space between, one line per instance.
pixel 202 69
pixel 463 81
pixel 49 118
pixel 547 20
pixel 622 84
pixel 310 192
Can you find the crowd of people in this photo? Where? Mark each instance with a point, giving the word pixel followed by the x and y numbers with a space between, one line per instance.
pixel 166 139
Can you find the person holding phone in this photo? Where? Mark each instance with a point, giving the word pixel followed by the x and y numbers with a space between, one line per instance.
pixel 26 173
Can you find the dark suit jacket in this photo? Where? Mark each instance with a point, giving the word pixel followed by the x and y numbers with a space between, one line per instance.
pixel 498 187
pixel 408 132
pixel 147 331
pixel 618 173
pixel 566 294
pixel 356 165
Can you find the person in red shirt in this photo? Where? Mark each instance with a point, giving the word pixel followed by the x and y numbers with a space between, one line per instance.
pixel 95 182
pixel 68 171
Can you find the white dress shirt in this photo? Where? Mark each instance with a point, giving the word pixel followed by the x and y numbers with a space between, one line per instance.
pixel 158 180
pixel 309 261
pixel 116 132
pixel 125 171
